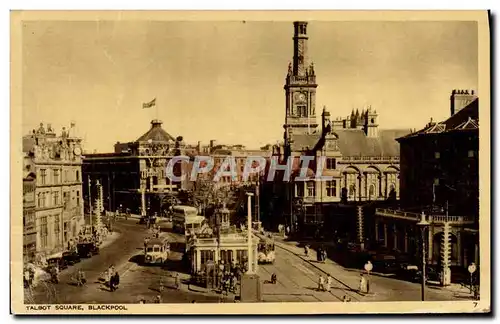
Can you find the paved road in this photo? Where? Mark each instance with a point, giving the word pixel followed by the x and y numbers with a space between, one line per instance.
pixel 381 288
pixel 120 253
pixel 297 281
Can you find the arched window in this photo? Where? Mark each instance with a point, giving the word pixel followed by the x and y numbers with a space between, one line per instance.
pixel 371 191
pixel 352 190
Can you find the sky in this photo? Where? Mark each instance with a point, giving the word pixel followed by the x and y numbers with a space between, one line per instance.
pixel 224 80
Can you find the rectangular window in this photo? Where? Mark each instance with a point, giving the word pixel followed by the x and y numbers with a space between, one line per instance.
pixel 330 163
pixel 331 188
pixel 299 189
pixel 436 182
pixel 43 176
pixel 56 176
pixel 311 189
pixel 56 198
pixel 77 175
pixel 437 155
pixel 302 111
pixel 206 256
pixel 78 198
pixel 241 256
pixel 40 200
pixel 470 153
pixel 57 225
pixel 44 231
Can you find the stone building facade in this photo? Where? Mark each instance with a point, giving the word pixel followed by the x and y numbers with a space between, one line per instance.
pixel 29 218
pixel 440 177
pixel 134 175
pixel 362 159
pixel 55 164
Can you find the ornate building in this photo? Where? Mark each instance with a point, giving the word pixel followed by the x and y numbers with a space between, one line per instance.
pixel 134 176
pixel 54 162
pixel 29 219
pixel 440 177
pixel 362 159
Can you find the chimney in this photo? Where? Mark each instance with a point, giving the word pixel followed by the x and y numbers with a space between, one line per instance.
pixel 198 147
pixel 459 99
pixel 325 120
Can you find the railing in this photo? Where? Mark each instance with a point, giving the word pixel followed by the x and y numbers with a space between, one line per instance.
pixel 436 219
pixel 299 78
pixel 369 158
pixel 397 213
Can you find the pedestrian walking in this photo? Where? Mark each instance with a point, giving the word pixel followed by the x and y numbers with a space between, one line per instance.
pixel 158 300
pixel 306 250
pixel 321 283
pixel 177 283
pixel 329 281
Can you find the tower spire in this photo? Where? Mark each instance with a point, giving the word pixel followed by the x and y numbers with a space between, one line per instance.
pixel 300 38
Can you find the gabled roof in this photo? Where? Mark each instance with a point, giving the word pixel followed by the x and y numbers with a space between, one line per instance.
pixel 469 124
pixel 302 141
pixel 354 142
pixel 465 119
pixel 156 133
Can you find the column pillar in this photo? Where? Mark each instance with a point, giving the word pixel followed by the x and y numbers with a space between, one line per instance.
pixel 406 239
pixel 385 235
pixel 198 260
pixel 386 185
pixel 395 237
pixel 459 249
pixel 361 183
pixel 430 245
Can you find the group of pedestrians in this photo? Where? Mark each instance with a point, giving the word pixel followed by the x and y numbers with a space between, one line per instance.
pixel 325 285
pixel 112 278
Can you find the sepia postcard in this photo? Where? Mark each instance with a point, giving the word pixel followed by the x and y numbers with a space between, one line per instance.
pixel 259 162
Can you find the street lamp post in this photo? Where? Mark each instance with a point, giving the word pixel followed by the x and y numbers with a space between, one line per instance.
pixel 249 229
pixel 423 224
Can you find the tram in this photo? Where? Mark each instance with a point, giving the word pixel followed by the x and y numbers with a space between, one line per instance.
pixel 265 251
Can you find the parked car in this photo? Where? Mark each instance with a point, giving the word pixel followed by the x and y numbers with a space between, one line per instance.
pixel 71 257
pixel 409 272
pixel 87 250
pixel 57 262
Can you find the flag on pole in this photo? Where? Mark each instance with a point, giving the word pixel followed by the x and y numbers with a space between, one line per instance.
pixel 150 104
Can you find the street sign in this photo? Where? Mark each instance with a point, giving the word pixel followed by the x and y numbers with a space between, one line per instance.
pixel 472 268
pixel 368 266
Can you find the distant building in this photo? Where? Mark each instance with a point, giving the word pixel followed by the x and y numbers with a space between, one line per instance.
pixel 54 164
pixel 362 159
pixel 439 176
pixel 134 176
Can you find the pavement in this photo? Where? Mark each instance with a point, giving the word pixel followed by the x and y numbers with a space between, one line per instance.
pixel 382 288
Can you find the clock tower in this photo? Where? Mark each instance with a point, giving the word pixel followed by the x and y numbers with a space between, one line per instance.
pixel 300 87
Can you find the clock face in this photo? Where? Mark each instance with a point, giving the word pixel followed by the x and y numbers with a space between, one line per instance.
pixel 77 151
pixel 300 97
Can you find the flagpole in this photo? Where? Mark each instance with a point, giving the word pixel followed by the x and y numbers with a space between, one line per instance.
pixel 156 107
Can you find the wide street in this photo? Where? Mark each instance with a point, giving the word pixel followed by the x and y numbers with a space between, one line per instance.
pixel 297 277
pixel 135 280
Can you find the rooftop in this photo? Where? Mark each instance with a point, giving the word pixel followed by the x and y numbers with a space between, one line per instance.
pixel 465 119
pixel 156 133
